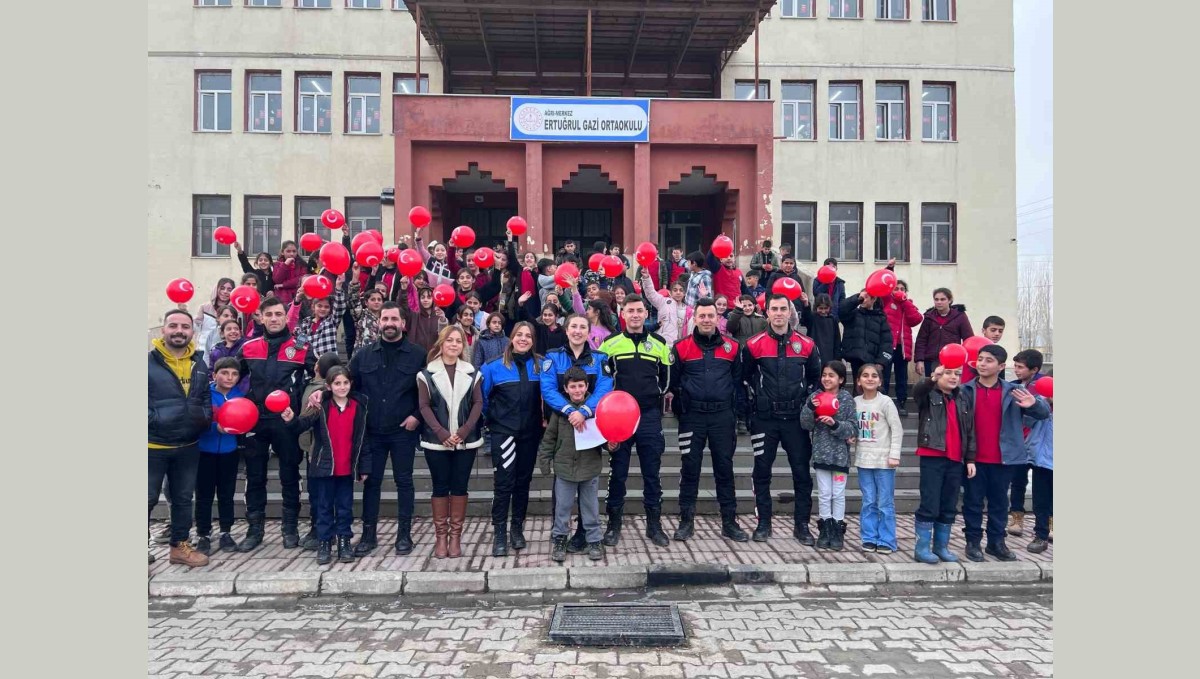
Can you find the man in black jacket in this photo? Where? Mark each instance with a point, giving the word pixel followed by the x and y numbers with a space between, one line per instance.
pixel 867 337
pixel 386 372
pixel 180 410
pixel 274 361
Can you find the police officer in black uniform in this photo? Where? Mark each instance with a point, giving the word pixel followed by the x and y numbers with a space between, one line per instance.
pixel 706 369
pixel 782 367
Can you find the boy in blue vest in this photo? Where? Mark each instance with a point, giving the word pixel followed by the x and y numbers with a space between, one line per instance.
pixel 219 456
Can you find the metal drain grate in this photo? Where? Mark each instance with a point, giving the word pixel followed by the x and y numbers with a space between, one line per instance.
pixel 617 624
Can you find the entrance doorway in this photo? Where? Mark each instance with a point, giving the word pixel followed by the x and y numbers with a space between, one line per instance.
pixel 475 199
pixel 588 208
pixel 692 212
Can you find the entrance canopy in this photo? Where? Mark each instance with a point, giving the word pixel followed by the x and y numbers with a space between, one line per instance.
pixel 662 48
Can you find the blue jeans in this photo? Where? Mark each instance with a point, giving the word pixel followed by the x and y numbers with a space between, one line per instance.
pixel 878 506
pixel 334 496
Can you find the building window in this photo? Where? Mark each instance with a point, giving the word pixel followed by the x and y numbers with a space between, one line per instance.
pixel 213 3
pixel 265 102
pixel 938 233
pixel 264 3
pixel 364 4
pixel 308 217
pixel 891 232
pixel 315 110
pixel 797 107
pixel 938 10
pixel 891 9
pixel 744 89
pixel 796 9
pixel 264 224
pixel 362 104
pixel 399 4
pixel 406 83
pixel 799 230
pixel 363 214
pixel 845 231
pixel 314 4
pixel 891 111
pixel 209 212
pixel 214 101
pixel 844 106
pixel 845 9
pixel 937 112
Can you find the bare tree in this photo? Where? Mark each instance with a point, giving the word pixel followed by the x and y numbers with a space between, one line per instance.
pixel 1035 307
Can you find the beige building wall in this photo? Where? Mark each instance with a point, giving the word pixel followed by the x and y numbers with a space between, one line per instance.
pixel 977 172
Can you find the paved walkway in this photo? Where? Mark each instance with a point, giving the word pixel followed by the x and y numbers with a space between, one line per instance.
pixel 706 547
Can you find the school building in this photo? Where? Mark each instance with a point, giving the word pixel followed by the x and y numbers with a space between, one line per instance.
pixel 846 128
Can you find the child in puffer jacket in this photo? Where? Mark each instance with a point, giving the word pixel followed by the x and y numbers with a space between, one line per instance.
pixel 831 437
pixel 491 343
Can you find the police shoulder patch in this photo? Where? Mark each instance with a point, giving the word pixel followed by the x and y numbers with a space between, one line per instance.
pixel 796 346
pixel 547 365
pixel 607 368
pixel 727 347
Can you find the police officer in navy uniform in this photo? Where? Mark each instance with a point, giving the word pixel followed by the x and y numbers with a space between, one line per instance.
pixel 782 367
pixel 594 364
pixel 640 362
pixel 706 369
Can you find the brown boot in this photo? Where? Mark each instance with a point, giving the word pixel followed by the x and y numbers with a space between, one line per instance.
pixel 458 515
pixel 1016 523
pixel 441 526
pixel 183 553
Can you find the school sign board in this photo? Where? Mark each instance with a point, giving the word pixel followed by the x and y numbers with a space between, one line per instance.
pixel 579 119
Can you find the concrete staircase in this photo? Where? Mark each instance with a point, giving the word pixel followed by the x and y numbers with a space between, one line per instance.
pixel 540 503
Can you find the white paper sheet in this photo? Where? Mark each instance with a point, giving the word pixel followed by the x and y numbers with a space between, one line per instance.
pixel 590 437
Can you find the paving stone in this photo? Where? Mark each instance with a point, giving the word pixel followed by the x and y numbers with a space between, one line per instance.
pixel 362 582
pixel 281 582
pixel 526 579
pixel 192 583
pixel 434 582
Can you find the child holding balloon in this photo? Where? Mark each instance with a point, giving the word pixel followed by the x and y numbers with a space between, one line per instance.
pixel 831 417
pixel 220 452
pixel 945 441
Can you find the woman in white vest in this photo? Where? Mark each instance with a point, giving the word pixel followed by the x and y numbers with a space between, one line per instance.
pixel 451 403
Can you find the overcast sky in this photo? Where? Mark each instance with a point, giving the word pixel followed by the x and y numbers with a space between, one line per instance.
pixel 1033 53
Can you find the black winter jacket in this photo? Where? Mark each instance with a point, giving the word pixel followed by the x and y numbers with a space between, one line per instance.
pixel 320 460
pixel 782 371
pixel 825 332
pixel 867 336
pixel 931 421
pixel 276 362
pixel 388 377
pixel 177 418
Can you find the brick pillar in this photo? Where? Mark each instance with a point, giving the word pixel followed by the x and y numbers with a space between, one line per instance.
pixel 530 203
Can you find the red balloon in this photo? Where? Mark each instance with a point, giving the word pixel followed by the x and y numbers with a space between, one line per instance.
pixel 722 247
pixel 637 287
pixel 409 262
pixel 788 287
pixel 180 290
pixel 827 404
pixel 317 287
pixel 594 261
pixel 646 254
pixel 358 240
pixel 369 253
pixel 611 266
pixel 376 234
pixel 881 283
pixel 664 292
pixel 899 295
pixel 333 219
pixel 827 274
pixel 392 255
pixel 462 237
pixel 335 258
pixel 617 415
pixel 566 269
pixel 973 345
pixel 484 258
pixel 952 356
pixel 762 300
pixel 419 217
pixel 443 295
pixel 517 225
pixel 277 401
pixel 245 299
pixel 311 241
pixel 238 415
pixel 224 235
pixel 1044 387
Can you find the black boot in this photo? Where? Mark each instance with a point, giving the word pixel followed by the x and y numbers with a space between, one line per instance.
pixel 291 534
pixel 838 532
pixel 226 543
pixel 763 531
pixel 974 553
pixel 800 532
pixel 687 526
pixel 309 542
pixel 499 540
pixel 324 547
pixel 516 535
pixel 613 535
pixel 1000 550
pixel 578 541
pixel 559 551
pixel 367 541
pixel 731 529
pixel 654 529
pixel 823 537
pixel 203 545
pixel 254 534
pixel 404 541
pixel 345 551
